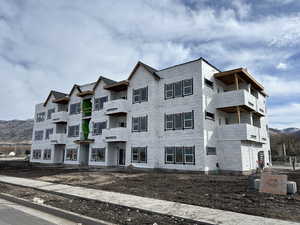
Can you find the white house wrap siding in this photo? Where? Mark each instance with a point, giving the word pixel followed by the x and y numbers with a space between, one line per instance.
pixel 185 117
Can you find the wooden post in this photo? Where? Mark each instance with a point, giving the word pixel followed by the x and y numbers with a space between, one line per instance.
pixel 237 108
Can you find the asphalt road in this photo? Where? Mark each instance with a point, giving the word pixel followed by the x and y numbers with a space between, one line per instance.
pixel 13 214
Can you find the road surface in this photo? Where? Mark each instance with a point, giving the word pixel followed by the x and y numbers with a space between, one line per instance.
pixel 14 214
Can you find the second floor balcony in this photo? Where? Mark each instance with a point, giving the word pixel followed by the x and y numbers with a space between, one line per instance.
pixel 59 117
pixel 242 132
pixel 118 106
pixel 58 138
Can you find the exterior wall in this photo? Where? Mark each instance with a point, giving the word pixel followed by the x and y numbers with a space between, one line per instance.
pixel 46 124
pixel 149 139
pixel 232 153
pixel 210 127
pixel 188 137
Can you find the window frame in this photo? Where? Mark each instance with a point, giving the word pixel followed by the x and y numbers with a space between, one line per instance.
pixel 186 120
pixel 99 103
pixel 171 90
pixel 48 132
pixel 49 113
pixel 40 117
pixel 180 86
pixel 74 135
pixel 209 83
pixel 191 86
pixel 94 154
pixel 211 150
pixel 73 155
pixel 184 154
pixel 137 95
pixel 137 123
pixel 209 117
pixel 36 152
pixel 38 137
pixel 136 151
pixel 77 108
pixel 98 130
pixel 47 154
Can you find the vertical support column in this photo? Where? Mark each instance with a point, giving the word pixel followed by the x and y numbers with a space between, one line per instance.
pixel 237 108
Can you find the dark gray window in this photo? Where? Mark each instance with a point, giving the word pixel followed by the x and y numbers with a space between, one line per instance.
pixel 98 155
pixel 209 83
pixel 71 154
pixel 48 133
pixel 49 114
pixel 140 124
pixel 140 95
pixel 169 91
pixel 47 154
pixel 36 154
pixel 178 125
pixel 38 135
pixel 188 87
pixel 209 116
pixel 169 122
pixel 98 127
pixel 99 102
pixel 40 116
pixel 211 151
pixel 180 155
pixel 179 121
pixel 188 120
pixel 73 131
pixel 139 154
pixel 179 89
pixel 75 108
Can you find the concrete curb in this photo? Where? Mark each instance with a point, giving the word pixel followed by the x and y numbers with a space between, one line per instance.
pixel 77 218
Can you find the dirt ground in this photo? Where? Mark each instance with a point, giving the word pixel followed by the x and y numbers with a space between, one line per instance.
pixel 229 192
pixel 103 211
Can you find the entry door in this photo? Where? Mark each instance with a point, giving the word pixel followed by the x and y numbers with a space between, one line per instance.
pixel 121 160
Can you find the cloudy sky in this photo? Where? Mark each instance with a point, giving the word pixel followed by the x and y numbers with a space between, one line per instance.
pixel 53 44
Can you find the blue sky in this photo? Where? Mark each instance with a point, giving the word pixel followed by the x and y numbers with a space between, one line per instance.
pixel 53 44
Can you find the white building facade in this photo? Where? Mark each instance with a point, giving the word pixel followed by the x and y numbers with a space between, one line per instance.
pixel 186 117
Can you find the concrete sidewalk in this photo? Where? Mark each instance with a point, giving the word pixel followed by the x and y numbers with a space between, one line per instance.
pixel 197 213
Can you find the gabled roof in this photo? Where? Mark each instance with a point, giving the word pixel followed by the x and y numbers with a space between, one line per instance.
pixel 56 95
pixel 75 86
pixel 151 70
pixel 118 86
pixel 105 80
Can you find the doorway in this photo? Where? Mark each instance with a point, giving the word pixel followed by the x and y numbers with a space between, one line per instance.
pixel 121 157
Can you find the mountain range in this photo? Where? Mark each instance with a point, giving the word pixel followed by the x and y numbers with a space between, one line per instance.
pixel 16 131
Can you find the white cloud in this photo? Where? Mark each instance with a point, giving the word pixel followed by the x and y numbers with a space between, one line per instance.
pixel 281 66
pixel 48 45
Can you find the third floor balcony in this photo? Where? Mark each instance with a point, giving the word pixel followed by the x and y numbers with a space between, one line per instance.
pixel 59 117
pixel 118 106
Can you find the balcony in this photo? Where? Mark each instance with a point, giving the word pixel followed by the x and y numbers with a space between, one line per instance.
pixel 227 100
pixel 242 132
pixel 118 134
pixel 235 98
pixel 59 117
pixel 118 106
pixel 58 138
